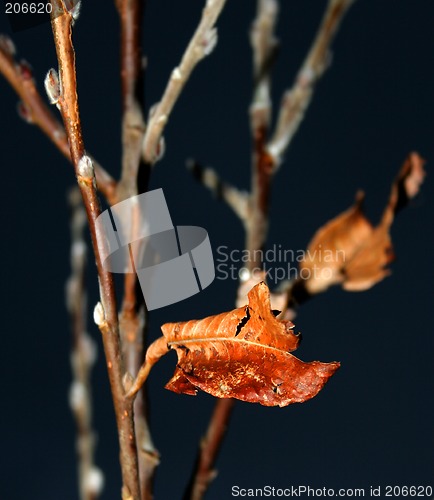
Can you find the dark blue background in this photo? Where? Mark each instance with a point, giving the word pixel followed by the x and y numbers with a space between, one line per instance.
pixel 372 424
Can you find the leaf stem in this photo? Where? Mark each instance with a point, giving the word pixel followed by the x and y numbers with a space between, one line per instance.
pixel 139 380
pixel 154 352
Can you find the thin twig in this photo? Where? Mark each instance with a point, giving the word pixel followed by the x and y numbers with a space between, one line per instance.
pixel 201 45
pixel 237 200
pixel 133 125
pixel 264 45
pixel 257 222
pixel 83 356
pixel 134 179
pixel 106 313
pixel 296 100
pixel 34 110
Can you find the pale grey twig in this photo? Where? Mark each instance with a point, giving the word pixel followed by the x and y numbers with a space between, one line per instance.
pixel 83 355
pixel 296 100
pixel 201 44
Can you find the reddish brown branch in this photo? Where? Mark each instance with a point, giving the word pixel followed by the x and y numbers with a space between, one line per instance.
pixel 130 13
pixel 107 312
pixel 133 126
pixel 38 113
pixel 133 316
pixel 257 222
pixel 264 47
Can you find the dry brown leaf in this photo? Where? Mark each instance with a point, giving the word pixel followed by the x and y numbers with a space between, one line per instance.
pixel 333 246
pixel 368 265
pixel 243 354
pixel 349 250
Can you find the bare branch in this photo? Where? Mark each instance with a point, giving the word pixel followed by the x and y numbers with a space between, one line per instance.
pixel 35 111
pixel 257 222
pixel 133 125
pixel 107 318
pixel 83 356
pixel 133 316
pixel 201 45
pixel 130 14
pixel 237 200
pixel 133 328
pixel 264 45
pixel 296 100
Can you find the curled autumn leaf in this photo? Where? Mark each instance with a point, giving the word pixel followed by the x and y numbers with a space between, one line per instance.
pixel 348 250
pixel 243 354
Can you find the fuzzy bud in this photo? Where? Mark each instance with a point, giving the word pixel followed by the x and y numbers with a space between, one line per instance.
pixel 161 149
pixel 25 70
pixel 73 8
pixel 89 349
pixel 209 41
pixel 94 481
pixel 176 74
pixel 127 381
pixel 306 77
pixel 24 112
pixel 99 314
pixel 85 167
pixel 153 109
pixel 52 86
pixel 7 46
pixel 75 11
pixel 244 274
pixel 77 395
